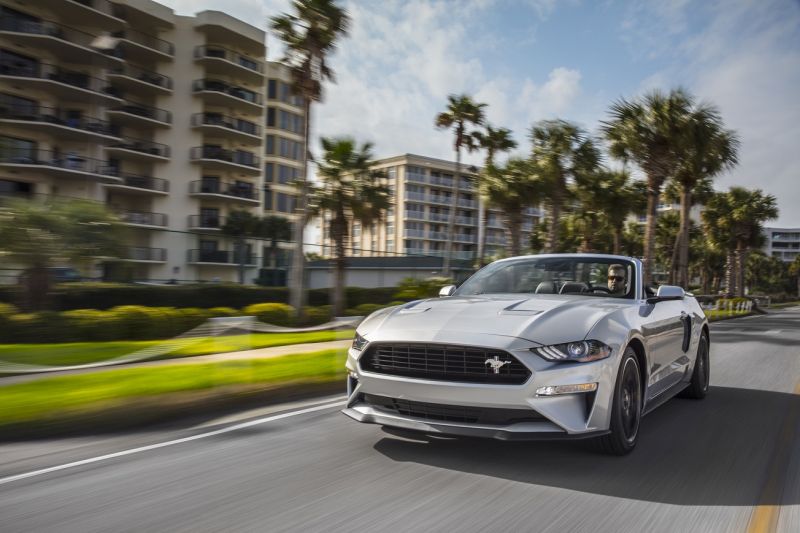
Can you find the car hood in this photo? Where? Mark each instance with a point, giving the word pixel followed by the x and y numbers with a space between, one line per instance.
pixel 544 319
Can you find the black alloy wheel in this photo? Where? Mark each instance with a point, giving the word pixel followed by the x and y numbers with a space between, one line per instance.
pixel 698 386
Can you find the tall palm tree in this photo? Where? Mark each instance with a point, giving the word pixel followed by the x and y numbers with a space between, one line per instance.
pixel 718 225
pixel 275 228
pixel 511 189
pixel 461 113
pixel 493 140
pixel 650 131
pixel 240 226
pixel 562 152
pixel 310 34
pixel 349 191
pixel 701 191
pixel 709 149
pixel 751 208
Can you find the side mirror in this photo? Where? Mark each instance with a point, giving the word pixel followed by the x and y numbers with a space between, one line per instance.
pixel 667 292
pixel 447 290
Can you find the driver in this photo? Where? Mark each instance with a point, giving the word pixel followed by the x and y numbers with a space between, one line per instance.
pixel 616 280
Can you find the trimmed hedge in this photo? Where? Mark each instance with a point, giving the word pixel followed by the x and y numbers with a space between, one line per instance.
pixel 101 296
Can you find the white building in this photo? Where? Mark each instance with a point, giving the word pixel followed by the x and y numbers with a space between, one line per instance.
pixel 783 243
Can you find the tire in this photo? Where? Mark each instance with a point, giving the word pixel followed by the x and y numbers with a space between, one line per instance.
pixel 698 386
pixel 626 411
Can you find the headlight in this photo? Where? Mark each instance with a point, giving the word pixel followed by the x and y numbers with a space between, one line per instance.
pixel 359 342
pixel 579 351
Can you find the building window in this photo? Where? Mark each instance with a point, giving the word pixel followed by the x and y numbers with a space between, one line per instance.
pixel 267 200
pixel 272 90
pixel 270 148
pixel 271 117
pixel 269 169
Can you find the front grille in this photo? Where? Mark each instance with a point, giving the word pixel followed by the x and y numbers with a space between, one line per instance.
pixel 452 413
pixel 444 362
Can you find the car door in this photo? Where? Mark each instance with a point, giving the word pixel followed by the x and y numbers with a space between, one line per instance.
pixel 664 327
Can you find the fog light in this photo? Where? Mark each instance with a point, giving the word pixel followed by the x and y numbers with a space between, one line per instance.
pixel 554 390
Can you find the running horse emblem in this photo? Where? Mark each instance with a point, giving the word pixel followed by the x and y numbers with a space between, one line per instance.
pixel 496 364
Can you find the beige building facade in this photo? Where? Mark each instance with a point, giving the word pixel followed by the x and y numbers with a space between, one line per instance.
pixel 160 117
pixel 422 191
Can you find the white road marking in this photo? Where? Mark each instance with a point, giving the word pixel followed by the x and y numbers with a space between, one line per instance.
pixel 169 443
pixel 772 331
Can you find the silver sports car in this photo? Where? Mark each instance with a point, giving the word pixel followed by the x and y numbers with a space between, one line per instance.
pixel 543 346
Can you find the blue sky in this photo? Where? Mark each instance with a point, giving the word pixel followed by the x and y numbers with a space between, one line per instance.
pixel 536 59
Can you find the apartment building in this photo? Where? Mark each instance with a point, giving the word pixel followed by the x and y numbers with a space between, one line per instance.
pixel 158 116
pixel 783 243
pixel 422 191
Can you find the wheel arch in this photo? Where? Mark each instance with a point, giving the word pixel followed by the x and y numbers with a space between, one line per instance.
pixel 638 348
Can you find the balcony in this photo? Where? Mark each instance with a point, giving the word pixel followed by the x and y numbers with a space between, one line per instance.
pixel 136 45
pixel 224 125
pixel 499 239
pixel 136 114
pixel 144 219
pixel 143 254
pixel 467 221
pixel 219 60
pixel 416 196
pixel 442 200
pixel 67 43
pixel 56 122
pixel 437 235
pixel 139 80
pixel 220 257
pixel 439 217
pixel 415 215
pixel 84 12
pixel 215 157
pixel 236 192
pixel 413 177
pixel 65 84
pixel 220 93
pixel 206 222
pixel 440 181
pixel 467 203
pixel 414 233
pixel 139 149
pixel 136 184
pixel 69 165
pixel 463 237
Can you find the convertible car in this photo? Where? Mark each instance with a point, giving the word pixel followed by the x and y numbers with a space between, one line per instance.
pixel 533 347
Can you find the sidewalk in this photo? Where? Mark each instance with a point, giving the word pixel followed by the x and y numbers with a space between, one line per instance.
pixel 261 353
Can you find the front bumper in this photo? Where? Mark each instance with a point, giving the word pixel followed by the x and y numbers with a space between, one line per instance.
pixel 563 416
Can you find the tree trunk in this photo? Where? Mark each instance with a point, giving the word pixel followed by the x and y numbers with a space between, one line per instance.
pixel 514 229
pixel 741 262
pixel 730 271
pixel 485 224
pixel 617 240
pixel 242 259
pixel 297 282
pixel 339 234
pixel 552 233
pixel 451 224
pixel 650 233
pixel 673 264
pixel 36 288
pixel 683 255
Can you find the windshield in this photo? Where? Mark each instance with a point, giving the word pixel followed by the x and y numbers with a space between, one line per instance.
pixel 554 275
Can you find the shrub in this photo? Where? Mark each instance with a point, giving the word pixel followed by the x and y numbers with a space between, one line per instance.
pixel 314 316
pixel 271 313
pixel 92 325
pixel 417 289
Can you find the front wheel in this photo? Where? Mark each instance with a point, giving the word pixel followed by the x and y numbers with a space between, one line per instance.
pixel 626 411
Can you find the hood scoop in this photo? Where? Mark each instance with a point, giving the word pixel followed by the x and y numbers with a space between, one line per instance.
pixel 519 308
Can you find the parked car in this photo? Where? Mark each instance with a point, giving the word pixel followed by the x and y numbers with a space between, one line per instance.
pixel 534 347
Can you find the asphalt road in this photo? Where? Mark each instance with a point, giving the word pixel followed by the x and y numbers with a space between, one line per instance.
pixel 726 463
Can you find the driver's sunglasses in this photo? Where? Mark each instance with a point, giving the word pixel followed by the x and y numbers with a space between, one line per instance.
pixel 616 278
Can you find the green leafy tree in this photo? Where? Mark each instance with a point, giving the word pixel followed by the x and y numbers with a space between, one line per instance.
pixel 650 131
pixel 562 153
pixel 348 191
pixel 461 113
pixel 794 270
pixel 275 228
pixel 240 226
pixel 767 275
pixel 310 34
pixel 511 189
pixel 493 140
pixel 38 236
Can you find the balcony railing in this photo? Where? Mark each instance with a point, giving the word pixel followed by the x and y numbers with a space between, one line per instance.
pixel 463 237
pixel 417 196
pixel 143 110
pixel 206 221
pixel 439 217
pixel 418 233
pixel 46 71
pixel 224 87
pixel 467 203
pixel 415 178
pixel 141 182
pixel 146 76
pixel 236 190
pixel 143 146
pixel 415 215
pixel 239 157
pixel 49 158
pixel 437 235
pixel 103 6
pixel 51 115
pixel 143 218
pixel 220 256
pixel 51 29
pixel 224 121
pixel 143 253
pixel 221 52
pixel 150 41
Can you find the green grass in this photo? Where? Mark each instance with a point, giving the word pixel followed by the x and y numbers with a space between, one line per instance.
pixel 51 398
pixel 77 353
pixel 784 305
pixel 715 314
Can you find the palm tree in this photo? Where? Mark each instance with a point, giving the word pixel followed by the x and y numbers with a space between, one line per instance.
pixel 349 192
pixel 240 226
pixel 511 189
pixel 37 236
pixel 650 132
pixel 709 150
pixel 460 114
pixel 718 226
pixel 310 35
pixel 275 228
pixel 493 140
pixel 562 152
pixel 700 193
pixel 794 270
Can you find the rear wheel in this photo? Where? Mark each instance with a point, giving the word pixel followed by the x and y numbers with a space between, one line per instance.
pixel 698 386
pixel 626 411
